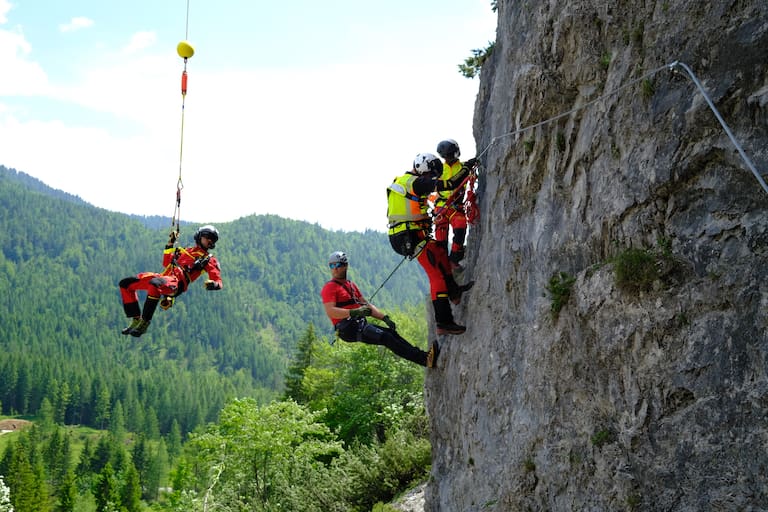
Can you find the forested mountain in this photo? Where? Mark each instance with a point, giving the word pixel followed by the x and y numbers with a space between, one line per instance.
pixel 61 260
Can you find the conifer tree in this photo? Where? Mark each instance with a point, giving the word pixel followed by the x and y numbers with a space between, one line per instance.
pixel 67 493
pixel 302 359
pixel 106 492
pixel 131 493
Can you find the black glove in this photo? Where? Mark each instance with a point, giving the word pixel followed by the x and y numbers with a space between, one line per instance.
pixel 471 163
pixel 389 322
pixel 172 237
pixel 212 285
pixel 200 263
pixel 360 312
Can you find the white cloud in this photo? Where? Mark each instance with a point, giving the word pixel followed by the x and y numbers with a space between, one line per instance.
pixel 313 144
pixel 20 76
pixel 76 23
pixel 140 41
pixel 5 6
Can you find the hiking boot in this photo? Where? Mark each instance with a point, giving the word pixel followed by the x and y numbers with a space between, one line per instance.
pixel 140 329
pixel 134 324
pixel 453 328
pixel 434 352
pixel 456 296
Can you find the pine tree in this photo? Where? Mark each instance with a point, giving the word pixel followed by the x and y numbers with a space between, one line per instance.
pixel 67 493
pixel 106 492
pixel 131 494
pixel 294 377
pixel 174 441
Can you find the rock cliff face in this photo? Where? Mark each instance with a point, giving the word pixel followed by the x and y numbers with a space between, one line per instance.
pixel 648 389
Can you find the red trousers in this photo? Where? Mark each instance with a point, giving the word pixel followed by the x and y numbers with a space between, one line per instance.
pixel 155 285
pixel 456 219
pixel 433 258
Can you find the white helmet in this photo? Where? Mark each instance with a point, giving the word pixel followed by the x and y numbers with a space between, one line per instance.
pixel 427 162
pixel 338 257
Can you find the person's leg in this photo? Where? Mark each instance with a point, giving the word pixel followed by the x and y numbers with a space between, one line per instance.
pixel 375 335
pixel 441 231
pixel 459 227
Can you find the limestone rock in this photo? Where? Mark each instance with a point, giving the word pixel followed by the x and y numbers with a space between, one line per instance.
pixel 646 398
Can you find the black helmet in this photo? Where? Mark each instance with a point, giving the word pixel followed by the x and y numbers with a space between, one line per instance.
pixel 208 231
pixel 449 149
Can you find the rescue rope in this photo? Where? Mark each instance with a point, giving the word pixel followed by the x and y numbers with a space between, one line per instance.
pixel 671 67
pixel 185 51
pixel 388 277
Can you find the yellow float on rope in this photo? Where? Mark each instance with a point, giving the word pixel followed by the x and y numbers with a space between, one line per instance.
pixel 185 50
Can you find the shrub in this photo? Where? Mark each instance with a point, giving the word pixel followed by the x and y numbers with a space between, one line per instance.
pixel 636 270
pixel 559 288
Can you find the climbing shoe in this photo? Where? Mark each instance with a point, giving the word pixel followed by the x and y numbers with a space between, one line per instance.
pixel 134 324
pixel 456 295
pixel 434 352
pixel 140 329
pixel 452 328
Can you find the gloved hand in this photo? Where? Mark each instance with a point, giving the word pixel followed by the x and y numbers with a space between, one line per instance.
pixel 200 263
pixel 212 285
pixel 172 237
pixel 471 163
pixel 360 312
pixel 389 322
pixel 166 303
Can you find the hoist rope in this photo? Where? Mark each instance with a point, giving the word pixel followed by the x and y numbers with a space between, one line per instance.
pixel 176 219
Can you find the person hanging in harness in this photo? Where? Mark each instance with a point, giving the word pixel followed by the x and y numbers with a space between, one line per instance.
pixel 409 234
pixel 182 267
pixel 347 309
pixel 451 214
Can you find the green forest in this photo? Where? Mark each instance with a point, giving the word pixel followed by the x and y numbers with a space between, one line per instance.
pixel 233 400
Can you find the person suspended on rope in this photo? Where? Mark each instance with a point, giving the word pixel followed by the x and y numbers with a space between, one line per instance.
pixel 409 234
pixel 347 309
pixel 451 214
pixel 182 267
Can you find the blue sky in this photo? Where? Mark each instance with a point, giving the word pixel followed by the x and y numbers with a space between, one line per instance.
pixel 301 109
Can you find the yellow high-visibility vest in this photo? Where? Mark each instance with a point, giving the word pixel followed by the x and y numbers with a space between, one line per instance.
pixel 403 205
pixel 449 171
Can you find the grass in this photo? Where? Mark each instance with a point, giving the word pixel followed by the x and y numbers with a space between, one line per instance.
pixel 636 270
pixel 559 288
pixel 602 437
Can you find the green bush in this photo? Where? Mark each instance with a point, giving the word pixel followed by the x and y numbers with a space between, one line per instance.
pixel 559 288
pixel 636 270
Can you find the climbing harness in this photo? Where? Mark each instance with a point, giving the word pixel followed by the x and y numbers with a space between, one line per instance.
pixel 470 200
pixel 671 67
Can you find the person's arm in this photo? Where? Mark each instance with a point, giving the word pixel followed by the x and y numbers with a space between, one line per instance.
pixel 335 312
pixel 380 315
pixel 213 270
pixel 376 312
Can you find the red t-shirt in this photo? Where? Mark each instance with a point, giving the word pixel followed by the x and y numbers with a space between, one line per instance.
pixel 344 294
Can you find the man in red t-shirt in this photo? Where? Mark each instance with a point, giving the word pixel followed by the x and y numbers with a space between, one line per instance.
pixel 347 309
